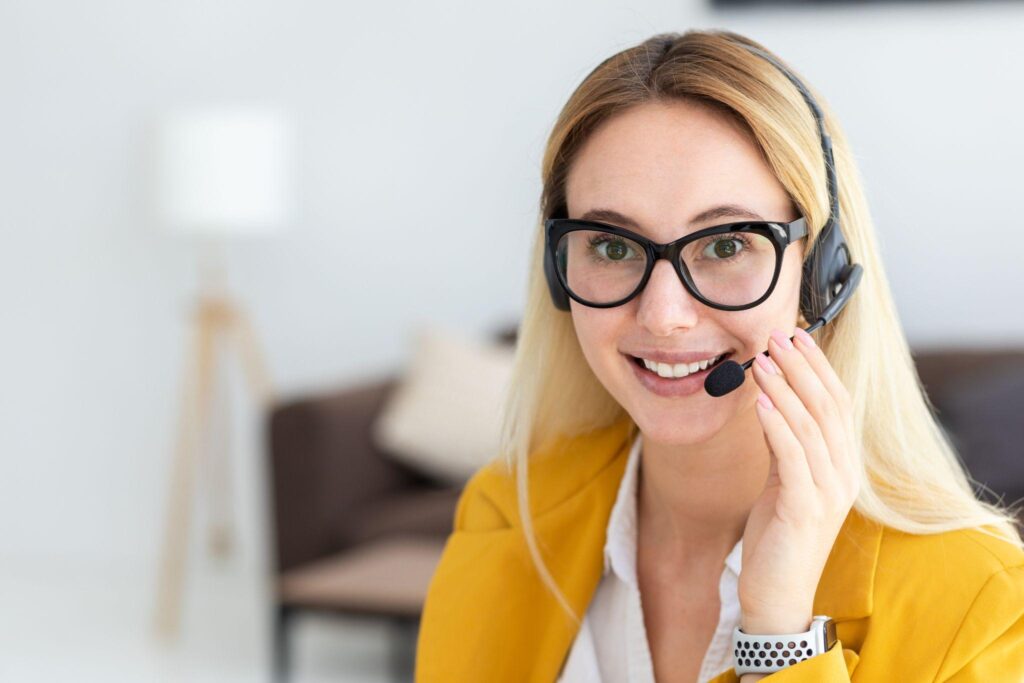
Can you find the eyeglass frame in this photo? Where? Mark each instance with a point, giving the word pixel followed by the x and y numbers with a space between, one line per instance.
pixel 781 236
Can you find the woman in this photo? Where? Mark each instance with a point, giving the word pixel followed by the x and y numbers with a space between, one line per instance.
pixel 691 530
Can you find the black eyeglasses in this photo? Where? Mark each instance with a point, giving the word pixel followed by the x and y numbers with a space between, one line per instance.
pixel 730 267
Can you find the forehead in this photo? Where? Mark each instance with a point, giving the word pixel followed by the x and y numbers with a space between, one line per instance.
pixel 663 164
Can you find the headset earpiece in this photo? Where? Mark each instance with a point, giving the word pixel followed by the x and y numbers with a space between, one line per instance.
pixel 823 271
pixel 559 297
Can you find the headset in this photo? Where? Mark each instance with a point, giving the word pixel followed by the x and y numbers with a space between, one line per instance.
pixel 829 277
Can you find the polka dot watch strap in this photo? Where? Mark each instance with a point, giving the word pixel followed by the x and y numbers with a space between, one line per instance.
pixel 765 654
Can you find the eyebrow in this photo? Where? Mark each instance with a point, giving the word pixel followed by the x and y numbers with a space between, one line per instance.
pixel 723 211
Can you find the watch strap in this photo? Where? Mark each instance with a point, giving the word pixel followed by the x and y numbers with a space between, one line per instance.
pixel 767 653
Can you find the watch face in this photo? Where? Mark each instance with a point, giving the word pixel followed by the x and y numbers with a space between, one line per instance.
pixel 830 634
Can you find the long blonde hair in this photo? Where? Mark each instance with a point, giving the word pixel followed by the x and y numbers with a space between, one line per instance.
pixel 913 479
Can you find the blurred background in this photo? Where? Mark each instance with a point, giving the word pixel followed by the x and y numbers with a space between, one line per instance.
pixel 234 424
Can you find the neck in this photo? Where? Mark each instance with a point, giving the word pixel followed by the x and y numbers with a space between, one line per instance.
pixel 694 500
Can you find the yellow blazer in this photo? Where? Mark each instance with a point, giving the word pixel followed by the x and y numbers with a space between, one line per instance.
pixel 942 607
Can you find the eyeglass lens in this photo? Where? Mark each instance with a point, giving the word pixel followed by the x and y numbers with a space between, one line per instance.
pixel 731 269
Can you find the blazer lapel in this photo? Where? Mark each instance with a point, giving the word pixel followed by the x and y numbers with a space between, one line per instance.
pixel 488 615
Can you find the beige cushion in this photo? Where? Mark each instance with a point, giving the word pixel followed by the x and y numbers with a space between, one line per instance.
pixel 444 417
pixel 384 576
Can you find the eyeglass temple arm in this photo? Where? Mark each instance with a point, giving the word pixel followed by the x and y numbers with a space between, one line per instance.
pixel 797 229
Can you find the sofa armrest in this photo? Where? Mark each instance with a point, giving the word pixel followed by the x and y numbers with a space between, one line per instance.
pixel 324 469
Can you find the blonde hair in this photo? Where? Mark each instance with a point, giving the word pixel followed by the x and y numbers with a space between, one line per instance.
pixel 913 479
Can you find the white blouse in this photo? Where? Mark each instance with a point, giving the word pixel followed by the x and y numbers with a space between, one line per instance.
pixel 611 645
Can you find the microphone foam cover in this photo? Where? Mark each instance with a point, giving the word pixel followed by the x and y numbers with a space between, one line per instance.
pixel 727 376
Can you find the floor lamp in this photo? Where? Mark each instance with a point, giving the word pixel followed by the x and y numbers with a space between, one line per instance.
pixel 221 175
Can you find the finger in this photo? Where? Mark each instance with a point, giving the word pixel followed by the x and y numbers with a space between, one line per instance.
pixel 788 457
pixel 802 423
pixel 822 367
pixel 819 402
pixel 819 363
pixel 805 379
pixel 817 359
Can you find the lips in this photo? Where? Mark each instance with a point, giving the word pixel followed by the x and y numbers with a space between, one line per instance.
pixel 671 387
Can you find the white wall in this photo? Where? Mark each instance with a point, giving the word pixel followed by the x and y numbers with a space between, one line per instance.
pixel 421 125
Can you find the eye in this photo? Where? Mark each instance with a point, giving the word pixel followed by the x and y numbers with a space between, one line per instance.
pixel 724 247
pixel 612 248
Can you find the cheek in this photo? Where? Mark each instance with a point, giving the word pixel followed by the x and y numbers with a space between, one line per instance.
pixel 597 333
pixel 781 310
pixel 790 279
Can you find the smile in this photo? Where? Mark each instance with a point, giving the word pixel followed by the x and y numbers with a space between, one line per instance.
pixel 670 387
pixel 679 369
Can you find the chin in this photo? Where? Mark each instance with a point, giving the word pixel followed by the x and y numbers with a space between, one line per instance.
pixel 678 428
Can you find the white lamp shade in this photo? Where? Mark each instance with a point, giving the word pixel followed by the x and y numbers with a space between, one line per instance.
pixel 224 170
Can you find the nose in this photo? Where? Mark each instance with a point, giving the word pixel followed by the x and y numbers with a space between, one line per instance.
pixel 664 304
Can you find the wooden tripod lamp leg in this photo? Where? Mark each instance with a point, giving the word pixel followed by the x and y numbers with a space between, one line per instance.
pixel 193 423
pixel 220 535
pixel 234 329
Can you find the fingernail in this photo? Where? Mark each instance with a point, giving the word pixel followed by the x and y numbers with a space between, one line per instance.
pixel 765 402
pixel 804 338
pixel 765 364
pixel 781 339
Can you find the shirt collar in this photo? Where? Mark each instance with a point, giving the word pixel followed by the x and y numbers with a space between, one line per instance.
pixel 620 545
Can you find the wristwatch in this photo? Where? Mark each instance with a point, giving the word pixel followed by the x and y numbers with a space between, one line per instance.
pixel 756 654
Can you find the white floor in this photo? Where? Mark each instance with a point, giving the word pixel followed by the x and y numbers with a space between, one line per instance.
pixel 88 625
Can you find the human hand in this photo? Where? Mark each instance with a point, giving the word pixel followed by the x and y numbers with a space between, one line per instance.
pixel 813 480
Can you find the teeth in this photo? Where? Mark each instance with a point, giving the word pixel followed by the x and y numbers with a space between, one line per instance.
pixel 679 369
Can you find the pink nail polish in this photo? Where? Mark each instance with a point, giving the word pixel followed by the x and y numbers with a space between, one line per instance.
pixel 765 402
pixel 781 339
pixel 765 364
pixel 804 338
